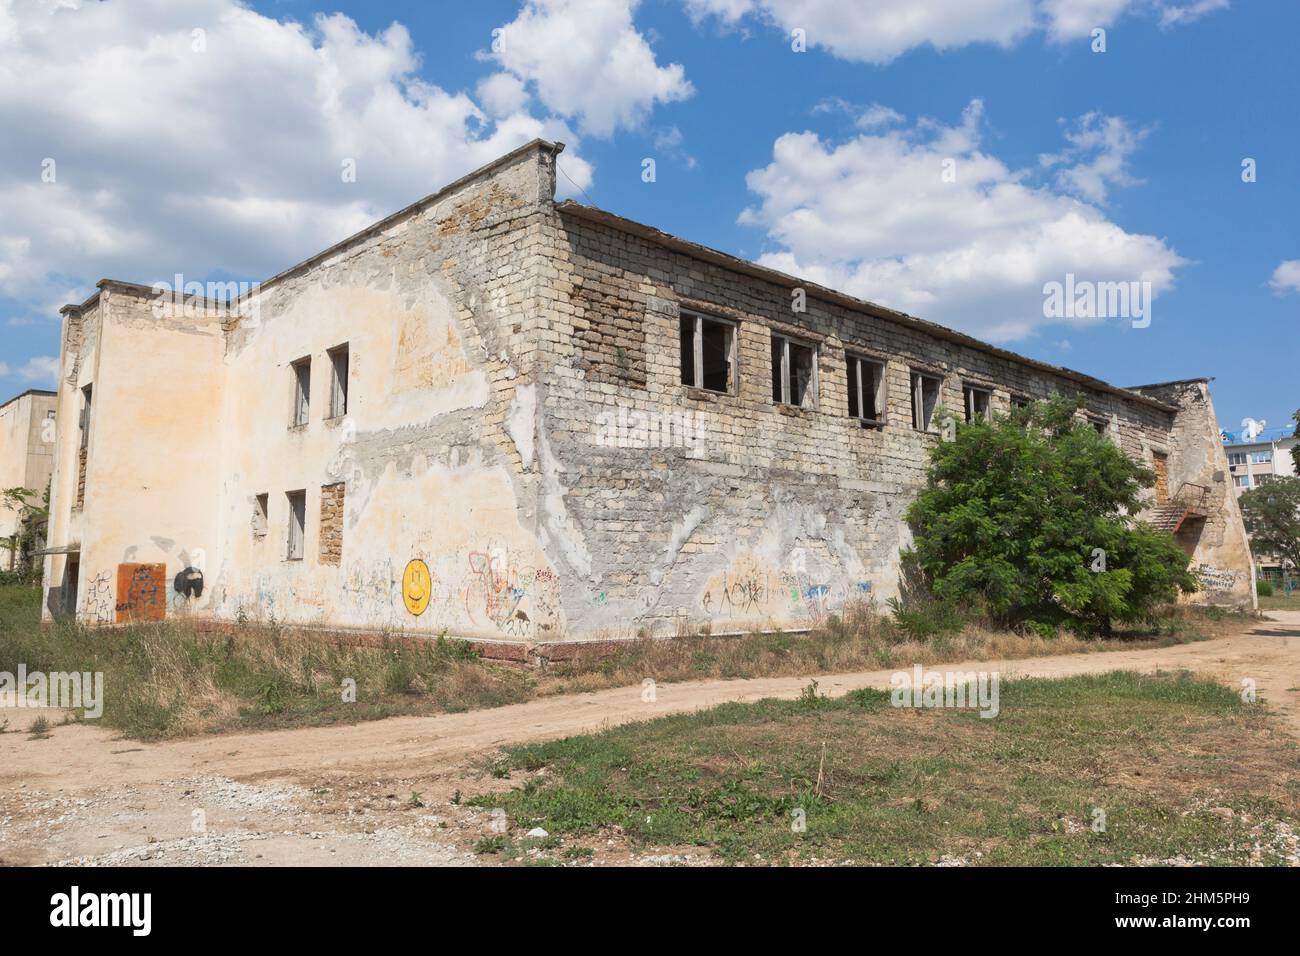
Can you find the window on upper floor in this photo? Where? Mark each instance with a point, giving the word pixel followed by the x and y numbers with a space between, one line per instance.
pixel 794 372
pixel 979 403
pixel 301 391
pixel 925 399
pixel 866 390
pixel 87 394
pixel 1261 457
pixel 708 353
pixel 338 381
pixel 1237 458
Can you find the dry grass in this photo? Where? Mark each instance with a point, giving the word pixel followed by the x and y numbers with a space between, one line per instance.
pixel 176 679
pixel 859 640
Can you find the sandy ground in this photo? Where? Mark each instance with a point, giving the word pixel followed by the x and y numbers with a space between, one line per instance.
pixel 387 792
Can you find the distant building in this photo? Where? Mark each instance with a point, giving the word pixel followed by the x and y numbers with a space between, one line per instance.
pixel 26 456
pixel 1256 463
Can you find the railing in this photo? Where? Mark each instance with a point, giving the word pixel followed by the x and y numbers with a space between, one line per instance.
pixel 1191 497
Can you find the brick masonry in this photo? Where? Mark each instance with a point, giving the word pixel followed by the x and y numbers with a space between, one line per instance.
pixel 331 523
pixel 521 461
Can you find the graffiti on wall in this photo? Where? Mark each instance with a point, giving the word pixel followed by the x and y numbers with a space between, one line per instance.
pixel 508 593
pixel 1214 579
pixel 142 589
pixel 98 605
pixel 751 588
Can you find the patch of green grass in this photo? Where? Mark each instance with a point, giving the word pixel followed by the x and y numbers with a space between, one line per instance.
pixel 855 779
pixel 1278 601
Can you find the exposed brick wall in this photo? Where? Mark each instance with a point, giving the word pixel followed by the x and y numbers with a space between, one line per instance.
pixel 775 513
pixel 331 523
pixel 608 326
pixel 81 478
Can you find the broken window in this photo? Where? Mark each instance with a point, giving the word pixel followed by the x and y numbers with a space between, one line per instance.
pixel 925 399
pixel 260 516
pixel 301 390
pixel 1099 424
pixel 1019 401
pixel 708 353
pixel 338 381
pixel 979 403
pixel 866 390
pixel 86 394
pixel 794 372
pixel 297 524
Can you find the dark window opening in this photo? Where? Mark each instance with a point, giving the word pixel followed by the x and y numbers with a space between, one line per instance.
pixel 708 353
pixel 866 390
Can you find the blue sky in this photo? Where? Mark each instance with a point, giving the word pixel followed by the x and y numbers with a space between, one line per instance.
pixel 1116 165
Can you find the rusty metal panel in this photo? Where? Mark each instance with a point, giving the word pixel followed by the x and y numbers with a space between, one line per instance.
pixel 142 592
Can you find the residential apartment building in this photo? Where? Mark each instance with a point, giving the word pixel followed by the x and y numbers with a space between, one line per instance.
pixel 1254 464
pixel 498 416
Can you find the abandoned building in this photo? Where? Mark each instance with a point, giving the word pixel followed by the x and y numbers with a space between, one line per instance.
pixel 496 416
pixel 27 433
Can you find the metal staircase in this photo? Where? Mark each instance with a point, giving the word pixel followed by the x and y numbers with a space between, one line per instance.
pixel 1189 502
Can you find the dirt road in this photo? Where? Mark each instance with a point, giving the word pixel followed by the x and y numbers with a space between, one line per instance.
pixel 386 791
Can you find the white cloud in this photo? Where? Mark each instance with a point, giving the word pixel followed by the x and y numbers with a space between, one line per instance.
pixel 223 160
pixel 41 370
pixel 874 216
pixel 882 30
pixel 1097 156
pixel 1286 277
pixel 586 60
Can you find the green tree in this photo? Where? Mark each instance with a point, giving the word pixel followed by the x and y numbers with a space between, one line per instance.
pixel 32 519
pixel 1272 515
pixel 1031 518
pixel 1295 449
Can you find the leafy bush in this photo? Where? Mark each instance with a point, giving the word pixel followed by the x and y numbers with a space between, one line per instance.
pixel 1030 517
pixel 1263 588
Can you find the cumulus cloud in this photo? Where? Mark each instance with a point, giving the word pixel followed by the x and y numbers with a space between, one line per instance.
pixel 1286 277
pixel 150 138
pixel 923 219
pixel 40 371
pixel 586 60
pixel 1096 156
pixel 882 30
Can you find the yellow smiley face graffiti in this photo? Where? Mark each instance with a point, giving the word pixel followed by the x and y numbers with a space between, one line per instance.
pixel 416 585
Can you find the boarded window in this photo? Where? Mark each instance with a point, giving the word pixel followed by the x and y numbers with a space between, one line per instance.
pixel 301 391
pixel 794 372
pixel 925 399
pixel 708 353
pixel 338 381
pixel 1160 465
pixel 331 523
pixel 297 524
pixel 866 390
pixel 979 403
